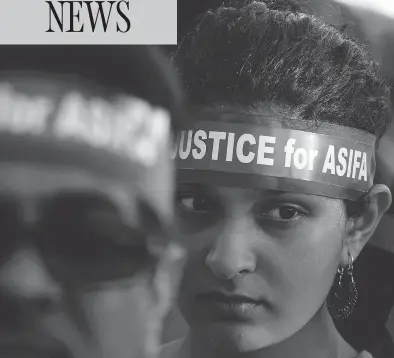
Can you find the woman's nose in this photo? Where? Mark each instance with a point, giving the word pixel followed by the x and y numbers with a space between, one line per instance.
pixel 231 253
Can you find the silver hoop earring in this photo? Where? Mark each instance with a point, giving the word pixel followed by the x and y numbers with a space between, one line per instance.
pixel 343 295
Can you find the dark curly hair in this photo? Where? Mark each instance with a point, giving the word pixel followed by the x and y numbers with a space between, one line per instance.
pixel 250 53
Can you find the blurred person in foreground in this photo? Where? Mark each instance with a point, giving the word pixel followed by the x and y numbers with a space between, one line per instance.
pixel 276 196
pixel 87 267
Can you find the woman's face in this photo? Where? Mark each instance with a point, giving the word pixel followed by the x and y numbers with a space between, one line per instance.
pixel 261 263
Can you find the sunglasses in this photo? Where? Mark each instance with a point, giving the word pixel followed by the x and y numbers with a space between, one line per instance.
pixel 82 237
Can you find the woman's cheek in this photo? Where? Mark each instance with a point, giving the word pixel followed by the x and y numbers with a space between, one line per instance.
pixel 306 265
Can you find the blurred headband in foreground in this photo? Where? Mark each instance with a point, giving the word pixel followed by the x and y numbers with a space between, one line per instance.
pixel 103 109
pixel 143 71
pixel 328 160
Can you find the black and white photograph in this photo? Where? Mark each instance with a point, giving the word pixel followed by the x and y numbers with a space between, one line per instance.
pixel 197 179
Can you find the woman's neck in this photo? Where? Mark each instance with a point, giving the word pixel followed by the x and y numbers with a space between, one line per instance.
pixel 317 339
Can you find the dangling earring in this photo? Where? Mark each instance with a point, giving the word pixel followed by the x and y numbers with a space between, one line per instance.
pixel 343 295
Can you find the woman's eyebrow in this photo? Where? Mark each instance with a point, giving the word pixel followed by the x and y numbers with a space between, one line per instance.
pixel 264 193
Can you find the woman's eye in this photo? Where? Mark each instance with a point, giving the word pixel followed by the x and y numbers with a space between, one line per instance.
pixel 285 213
pixel 194 203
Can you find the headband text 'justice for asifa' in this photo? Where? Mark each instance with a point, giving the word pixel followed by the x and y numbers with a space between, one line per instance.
pixel 331 160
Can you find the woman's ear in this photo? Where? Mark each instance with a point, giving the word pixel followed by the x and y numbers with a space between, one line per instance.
pixel 362 228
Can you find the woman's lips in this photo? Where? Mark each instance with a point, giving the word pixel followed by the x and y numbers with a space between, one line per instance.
pixel 230 306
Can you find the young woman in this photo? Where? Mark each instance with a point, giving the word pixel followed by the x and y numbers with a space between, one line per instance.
pixel 276 197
